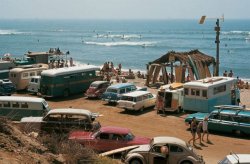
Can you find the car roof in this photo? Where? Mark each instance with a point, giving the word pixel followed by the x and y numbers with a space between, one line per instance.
pixel 68 70
pixel 114 129
pixel 121 85
pixel 232 112
pixel 239 158
pixel 21 99
pixel 70 111
pixel 170 140
pixel 136 93
pixel 99 82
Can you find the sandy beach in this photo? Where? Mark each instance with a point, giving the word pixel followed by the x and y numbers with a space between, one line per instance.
pixel 149 124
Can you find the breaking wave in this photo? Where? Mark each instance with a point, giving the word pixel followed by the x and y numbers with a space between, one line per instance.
pixel 236 33
pixel 122 36
pixel 143 44
pixel 10 32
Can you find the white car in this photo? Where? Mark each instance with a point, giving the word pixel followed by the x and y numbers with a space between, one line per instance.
pixel 137 100
pixel 236 159
pixel 178 152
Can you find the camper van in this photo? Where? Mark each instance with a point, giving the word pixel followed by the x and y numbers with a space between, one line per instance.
pixel 173 97
pixel 21 76
pixel 17 107
pixel 34 84
pixel 67 81
pixel 202 95
pixel 6 87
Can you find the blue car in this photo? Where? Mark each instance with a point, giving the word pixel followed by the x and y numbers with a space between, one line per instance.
pixel 114 92
pixel 226 118
pixel 6 87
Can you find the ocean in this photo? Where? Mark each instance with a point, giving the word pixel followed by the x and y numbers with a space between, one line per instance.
pixel 133 43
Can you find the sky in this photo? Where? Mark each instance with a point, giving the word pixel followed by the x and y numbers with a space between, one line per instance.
pixel 123 9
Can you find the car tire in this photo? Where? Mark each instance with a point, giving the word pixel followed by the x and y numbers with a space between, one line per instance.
pixel 135 161
pixel 186 162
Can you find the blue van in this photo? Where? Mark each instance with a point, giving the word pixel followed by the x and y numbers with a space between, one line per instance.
pixel 226 118
pixel 114 92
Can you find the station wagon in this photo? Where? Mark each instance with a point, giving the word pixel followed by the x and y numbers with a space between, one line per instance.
pixel 137 100
pixel 115 92
pixel 62 121
pixel 226 118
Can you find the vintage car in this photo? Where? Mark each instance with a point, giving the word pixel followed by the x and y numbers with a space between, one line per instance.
pixel 62 121
pixel 96 89
pixel 107 138
pixel 115 92
pixel 6 87
pixel 226 118
pixel 137 100
pixel 234 158
pixel 179 152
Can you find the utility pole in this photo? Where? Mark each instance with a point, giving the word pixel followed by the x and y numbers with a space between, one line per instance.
pixel 217 41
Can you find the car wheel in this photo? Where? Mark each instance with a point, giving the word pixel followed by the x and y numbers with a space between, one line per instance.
pixel 135 161
pixel 66 93
pixel 186 162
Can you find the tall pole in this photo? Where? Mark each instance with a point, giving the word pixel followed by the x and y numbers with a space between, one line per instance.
pixel 217 41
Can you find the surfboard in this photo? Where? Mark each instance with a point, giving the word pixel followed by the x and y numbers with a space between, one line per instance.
pixel 194 68
pixel 118 150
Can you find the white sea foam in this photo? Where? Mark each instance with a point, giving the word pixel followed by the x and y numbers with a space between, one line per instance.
pixel 125 43
pixel 236 33
pixel 122 36
pixel 10 32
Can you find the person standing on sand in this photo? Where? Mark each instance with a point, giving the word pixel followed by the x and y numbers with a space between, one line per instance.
pixel 193 128
pixel 205 128
pixel 159 103
pixel 199 130
pixel 230 74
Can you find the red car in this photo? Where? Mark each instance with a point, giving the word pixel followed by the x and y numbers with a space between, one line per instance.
pixel 96 89
pixel 107 138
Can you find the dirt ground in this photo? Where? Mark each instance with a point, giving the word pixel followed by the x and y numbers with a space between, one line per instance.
pixel 149 124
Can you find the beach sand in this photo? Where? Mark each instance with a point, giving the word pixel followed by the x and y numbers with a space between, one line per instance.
pixel 149 124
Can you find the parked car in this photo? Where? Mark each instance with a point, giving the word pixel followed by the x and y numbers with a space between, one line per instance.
pixel 236 159
pixel 137 100
pixel 107 138
pixel 62 120
pixel 96 89
pixel 226 118
pixel 179 152
pixel 7 88
pixel 114 92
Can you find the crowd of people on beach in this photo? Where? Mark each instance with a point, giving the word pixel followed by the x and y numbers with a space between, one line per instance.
pixel 240 83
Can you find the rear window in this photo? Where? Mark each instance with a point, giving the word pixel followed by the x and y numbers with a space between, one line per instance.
pixel 127 98
pixel 112 90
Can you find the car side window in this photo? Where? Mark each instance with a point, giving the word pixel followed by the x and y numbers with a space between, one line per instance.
pixel 150 95
pixel 122 91
pixel 133 88
pixel 116 137
pixel 53 117
pixel 214 116
pixel 104 136
pixel 175 149
pixel 128 89
pixel 226 117
pixel 145 97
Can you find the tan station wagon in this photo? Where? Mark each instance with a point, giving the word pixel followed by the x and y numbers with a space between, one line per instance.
pixel 179 152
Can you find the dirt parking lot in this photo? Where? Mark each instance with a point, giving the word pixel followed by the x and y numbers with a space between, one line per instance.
pixel 149 124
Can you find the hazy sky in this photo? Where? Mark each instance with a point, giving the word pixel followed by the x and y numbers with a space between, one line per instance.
pixel 123 9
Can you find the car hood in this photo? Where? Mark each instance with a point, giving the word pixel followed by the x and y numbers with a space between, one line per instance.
pixel 141 148
pixel 80 135
pixel 32 119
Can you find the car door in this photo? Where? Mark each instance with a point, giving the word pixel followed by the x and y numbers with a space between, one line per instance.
pixel 52 123
pixel 214 121
pixel 156 157
pixel 176 154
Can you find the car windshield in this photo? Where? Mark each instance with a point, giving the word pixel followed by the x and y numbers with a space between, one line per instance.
pixel 112 90
pixel 129 137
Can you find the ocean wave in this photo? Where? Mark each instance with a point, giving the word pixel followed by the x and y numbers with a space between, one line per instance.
pixel 10 32
pixel 122 36
pixel 143 44
pixel 236 33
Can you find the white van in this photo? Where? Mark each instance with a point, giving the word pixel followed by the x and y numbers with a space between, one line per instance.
pixel 137 100
pixel 34 84
pixel 17 107
pixel 234 158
